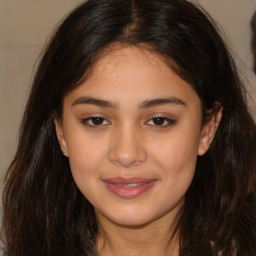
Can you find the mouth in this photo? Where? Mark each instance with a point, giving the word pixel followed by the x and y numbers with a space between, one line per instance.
pixel 129 188
pixel 130 185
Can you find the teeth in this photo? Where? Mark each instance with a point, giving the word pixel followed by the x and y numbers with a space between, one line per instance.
pixel 134 185
pixel 130 185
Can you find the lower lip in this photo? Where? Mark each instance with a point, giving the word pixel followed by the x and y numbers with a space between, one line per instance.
pixel 129 192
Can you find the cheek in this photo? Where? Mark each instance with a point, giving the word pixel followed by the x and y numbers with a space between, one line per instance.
pixel 85 157
pixel 85 160
pixel 178 172
pixel 176 157
pixel 178 167
pixel 177 151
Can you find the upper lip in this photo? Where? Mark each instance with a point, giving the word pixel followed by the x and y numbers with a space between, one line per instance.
pixel 121 180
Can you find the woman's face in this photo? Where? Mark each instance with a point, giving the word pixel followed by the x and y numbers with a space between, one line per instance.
pixel 132 132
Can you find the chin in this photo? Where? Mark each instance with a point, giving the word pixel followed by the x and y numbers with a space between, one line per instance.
pixel 131 216
pixel 133 221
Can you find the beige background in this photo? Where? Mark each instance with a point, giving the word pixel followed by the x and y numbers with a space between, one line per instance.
pixel 25 25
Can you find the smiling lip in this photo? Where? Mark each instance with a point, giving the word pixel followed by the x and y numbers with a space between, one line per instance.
pixel 128 187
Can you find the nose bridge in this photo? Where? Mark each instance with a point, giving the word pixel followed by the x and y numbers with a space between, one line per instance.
pixel 127 147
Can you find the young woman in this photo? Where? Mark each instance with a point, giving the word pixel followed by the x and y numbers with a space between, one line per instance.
pixel 136 140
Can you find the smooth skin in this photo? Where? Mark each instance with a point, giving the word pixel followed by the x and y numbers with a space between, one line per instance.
pixel 134 117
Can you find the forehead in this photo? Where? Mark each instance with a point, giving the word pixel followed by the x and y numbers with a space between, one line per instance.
pixel 124 58
pixel 135 73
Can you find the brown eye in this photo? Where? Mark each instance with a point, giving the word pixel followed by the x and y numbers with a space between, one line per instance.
pixel 158 120
pixel 161 122
pixel 95 121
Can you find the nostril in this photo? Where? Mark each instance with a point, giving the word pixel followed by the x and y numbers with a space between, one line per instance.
pixel 127 147
pixel 127 157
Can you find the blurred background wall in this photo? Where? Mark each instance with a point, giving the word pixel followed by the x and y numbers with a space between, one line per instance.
pixel 26 24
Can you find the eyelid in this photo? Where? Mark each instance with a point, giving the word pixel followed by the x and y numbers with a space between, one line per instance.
pixel 170 122
pixel 85 121
pixel 167 121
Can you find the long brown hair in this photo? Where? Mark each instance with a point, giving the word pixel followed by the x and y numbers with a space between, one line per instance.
pixel 46 214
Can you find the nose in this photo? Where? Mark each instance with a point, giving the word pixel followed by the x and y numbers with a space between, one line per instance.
pixel 127 148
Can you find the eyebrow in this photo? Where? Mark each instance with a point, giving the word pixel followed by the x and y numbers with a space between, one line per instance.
pixel 146 104
pixel 94 101
pixel 162 101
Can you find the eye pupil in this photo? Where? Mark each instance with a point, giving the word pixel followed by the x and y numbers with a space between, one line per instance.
pixel 97 120
pixel 158 120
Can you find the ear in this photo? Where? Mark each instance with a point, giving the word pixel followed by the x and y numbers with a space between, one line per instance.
pixel 209 128
pixel 61 136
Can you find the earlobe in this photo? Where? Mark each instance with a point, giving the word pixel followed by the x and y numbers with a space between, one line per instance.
pixel 61 136
pixel 209 129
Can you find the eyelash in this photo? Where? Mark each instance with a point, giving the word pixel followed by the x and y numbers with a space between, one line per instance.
pixel 87 121
pixel 166 121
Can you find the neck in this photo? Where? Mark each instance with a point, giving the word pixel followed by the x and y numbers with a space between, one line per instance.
pixel 147 240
